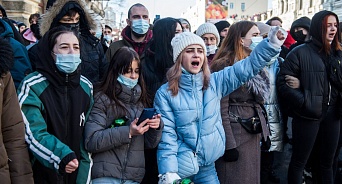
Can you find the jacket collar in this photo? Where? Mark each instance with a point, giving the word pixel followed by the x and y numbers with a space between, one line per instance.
pixel 128 95
pixel 191 82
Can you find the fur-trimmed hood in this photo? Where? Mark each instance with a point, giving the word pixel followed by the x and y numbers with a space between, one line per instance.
pixel 260 86
pixel 48 19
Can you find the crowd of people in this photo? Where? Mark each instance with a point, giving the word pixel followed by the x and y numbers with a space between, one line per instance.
pixel 222 97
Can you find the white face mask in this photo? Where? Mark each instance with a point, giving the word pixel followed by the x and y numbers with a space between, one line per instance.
pixel 211 49
pixel 255 42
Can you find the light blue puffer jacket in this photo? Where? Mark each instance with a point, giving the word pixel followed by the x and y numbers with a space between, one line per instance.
pixel 181 113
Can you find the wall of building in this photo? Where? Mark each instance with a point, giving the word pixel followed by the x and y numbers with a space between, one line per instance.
pixel 195 14
pixel 246 9
pixel 21 10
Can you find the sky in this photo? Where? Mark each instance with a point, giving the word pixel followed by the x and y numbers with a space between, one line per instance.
pixel 164 8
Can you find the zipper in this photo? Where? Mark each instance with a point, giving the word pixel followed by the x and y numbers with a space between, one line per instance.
pixel 67 105
pixel 199 111
pixel 133 95
pixel 125 161
pixel 329 98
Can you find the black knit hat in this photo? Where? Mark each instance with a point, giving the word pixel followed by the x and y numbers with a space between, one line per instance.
pixel 221 25
pixel 21 24
pixel 303 22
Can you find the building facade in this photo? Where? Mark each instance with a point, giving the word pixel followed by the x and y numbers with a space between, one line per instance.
pixel 21 10
pixel 247 10
pixel 290 10
pixel 334 6
pixel 195 14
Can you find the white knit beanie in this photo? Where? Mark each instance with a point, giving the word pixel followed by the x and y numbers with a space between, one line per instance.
pixel 208 28
pixel 182 40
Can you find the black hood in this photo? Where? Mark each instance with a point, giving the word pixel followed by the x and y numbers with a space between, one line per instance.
pixel 316 24
pixel 45 65
pixel 6 56
pixel 303 22
pixel 68 6
pixel 3 11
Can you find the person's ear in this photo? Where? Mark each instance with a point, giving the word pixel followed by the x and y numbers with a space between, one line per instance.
pixel 241 41
pixel 128 22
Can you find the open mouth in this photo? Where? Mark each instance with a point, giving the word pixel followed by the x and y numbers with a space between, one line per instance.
pixel 195 63
pixel 332 34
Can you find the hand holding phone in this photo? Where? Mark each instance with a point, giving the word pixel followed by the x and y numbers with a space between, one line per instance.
pixel 147 113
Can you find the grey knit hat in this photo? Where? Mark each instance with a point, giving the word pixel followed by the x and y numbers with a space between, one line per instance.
pixel 208 28
pixel 182 40
pixel 263 28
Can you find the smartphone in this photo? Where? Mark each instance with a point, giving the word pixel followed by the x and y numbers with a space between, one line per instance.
pixel 147 113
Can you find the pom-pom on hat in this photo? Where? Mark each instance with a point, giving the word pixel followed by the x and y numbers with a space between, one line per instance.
pixel 208 28
pixel 182 40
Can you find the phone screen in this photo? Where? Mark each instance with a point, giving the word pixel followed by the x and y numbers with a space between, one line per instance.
pixel 147 113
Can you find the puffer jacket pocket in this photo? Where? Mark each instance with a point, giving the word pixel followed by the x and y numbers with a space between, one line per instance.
pixel 187 163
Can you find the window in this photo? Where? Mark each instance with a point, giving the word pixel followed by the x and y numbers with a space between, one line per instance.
pixel 231 6
pixel 243 6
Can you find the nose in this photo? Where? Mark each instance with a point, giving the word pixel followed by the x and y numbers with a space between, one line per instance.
pixel 72 51
pixel 211 42
pixel 133 75
pixel 196 54
pixel 206 42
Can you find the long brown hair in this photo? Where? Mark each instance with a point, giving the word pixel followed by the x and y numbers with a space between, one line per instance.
pixel 335 44
pixel 120 64
pixel 174 73
pixel 231 48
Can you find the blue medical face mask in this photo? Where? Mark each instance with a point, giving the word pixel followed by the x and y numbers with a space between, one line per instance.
pixel 67 63
pixel 98 34
pixel 130 83
pixel 108 38
pixel 255 42
pixel 140 26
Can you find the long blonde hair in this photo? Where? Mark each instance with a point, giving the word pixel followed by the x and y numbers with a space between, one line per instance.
pixel 174 73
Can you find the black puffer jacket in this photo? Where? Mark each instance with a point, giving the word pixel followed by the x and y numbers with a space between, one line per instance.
pixel 307 63
pixel 114 153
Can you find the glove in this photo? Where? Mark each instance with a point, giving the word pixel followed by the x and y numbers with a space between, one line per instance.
pixel 277 36
pixel 168 178
pixel 231 155
pixel 265 145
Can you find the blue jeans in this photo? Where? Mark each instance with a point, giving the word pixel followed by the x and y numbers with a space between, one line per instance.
pixel 111 180
pixel 206 175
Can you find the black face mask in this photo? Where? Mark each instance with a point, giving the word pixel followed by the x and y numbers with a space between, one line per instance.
pixel 35 29
pixel 299 36
pixel 73 26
